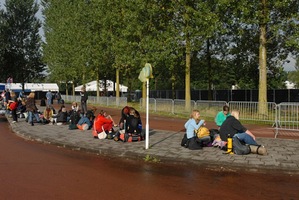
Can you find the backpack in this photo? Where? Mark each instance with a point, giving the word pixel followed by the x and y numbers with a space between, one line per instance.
pixel 75 117
pixel 202 132
pixel 132 125
pixel 239 147
pixel 13 106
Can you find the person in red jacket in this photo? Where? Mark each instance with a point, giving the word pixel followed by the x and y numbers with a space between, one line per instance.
pixel 102 123
pixel 13 105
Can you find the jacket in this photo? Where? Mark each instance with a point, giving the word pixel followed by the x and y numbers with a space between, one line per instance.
pixel 30 105
pixel 231 126
pixel 100 121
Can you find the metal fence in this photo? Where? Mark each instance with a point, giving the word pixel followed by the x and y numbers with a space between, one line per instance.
pixel 287 117
pixel 105 101
pixel 249 111
pixel 277 95
pixel 284 116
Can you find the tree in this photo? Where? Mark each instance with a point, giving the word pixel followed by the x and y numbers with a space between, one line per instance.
pixel 22 54
pixel 193 22
pixel 268 24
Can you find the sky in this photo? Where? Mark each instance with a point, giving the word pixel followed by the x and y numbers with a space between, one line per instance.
pixel 290 66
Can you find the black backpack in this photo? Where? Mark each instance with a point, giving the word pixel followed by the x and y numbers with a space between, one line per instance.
pixel 132 124
pixel 239 147
pixel 75 117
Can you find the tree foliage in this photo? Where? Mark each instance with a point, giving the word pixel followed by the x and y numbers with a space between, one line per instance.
pixel 190 44
pixel 21 50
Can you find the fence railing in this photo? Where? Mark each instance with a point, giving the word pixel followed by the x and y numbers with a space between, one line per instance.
pixel 249 111
pixel 285 116
pixel 105 101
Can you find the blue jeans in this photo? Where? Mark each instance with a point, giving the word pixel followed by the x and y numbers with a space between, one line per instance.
pixel 30 117
pixel 49 102
pixel 246 138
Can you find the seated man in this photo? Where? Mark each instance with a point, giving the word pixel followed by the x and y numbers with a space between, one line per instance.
pixel 232 127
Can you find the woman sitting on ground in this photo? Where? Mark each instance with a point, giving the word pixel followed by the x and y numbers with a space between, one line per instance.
pixel 48 115
pixel 125 112
pixel 191 125
pixel 221 116
pixel 101 123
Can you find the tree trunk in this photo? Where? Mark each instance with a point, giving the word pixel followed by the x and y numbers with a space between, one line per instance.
pixel 98 85
pixel 187 75
pixel 262 106
pixel 117 83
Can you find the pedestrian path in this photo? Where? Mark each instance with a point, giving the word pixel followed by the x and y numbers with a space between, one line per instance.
pixel 283 154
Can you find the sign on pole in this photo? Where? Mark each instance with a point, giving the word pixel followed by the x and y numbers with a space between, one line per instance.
pixel 144 76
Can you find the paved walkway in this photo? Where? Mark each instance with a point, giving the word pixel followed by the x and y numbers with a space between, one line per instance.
pixel 283 154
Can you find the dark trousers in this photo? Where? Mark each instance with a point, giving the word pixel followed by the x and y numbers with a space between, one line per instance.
pixel 14 115
pixel 84 107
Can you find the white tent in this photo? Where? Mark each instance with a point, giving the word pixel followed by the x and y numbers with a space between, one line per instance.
pixel 92 86
pixel 33 87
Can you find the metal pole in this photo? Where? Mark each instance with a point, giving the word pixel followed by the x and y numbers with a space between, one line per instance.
pixel 147 116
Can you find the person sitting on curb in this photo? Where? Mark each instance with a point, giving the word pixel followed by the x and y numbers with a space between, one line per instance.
pixel 85 122
pixel 48 115
pixel 221 116
pixel 61 117
pixel 232 127
pixel 191 125
pixel 125 113
pixel 101 123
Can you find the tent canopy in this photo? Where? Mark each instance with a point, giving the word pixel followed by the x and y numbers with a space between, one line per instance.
pixel 110 85
pixel 17 87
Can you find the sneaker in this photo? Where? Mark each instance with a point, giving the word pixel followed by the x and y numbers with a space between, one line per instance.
pixel 13 122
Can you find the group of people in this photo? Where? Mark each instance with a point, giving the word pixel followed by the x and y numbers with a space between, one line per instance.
pixel 11 104
pixel 228 126
pixel 129 124
pixel 51 96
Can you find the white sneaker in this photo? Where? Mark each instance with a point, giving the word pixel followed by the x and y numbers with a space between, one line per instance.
pixel 13 122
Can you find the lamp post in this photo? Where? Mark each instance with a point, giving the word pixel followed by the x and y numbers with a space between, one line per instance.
pixel 144 76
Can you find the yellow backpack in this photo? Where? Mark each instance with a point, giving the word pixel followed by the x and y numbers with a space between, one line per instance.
pixel 202 132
